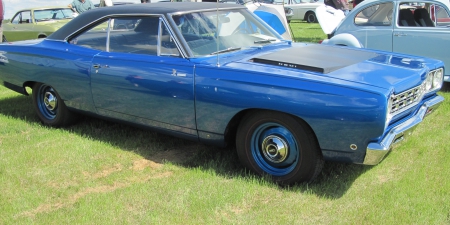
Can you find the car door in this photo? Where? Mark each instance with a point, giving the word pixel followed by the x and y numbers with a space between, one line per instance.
pixel 424 39
pixel 372 26
pixel 141 76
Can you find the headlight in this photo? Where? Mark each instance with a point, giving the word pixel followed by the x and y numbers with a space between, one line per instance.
pixel 434 80
pixel 288 11
pixel 428 84
pixel 438 78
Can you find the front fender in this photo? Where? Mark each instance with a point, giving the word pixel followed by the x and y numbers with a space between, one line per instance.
pixel 344 40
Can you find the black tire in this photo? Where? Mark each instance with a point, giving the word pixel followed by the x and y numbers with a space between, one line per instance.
pixel 4 39
pixel 310 17
pixel 49 106
pixel 279 145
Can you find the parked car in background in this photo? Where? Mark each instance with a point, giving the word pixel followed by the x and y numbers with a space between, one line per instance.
pixel 302 9
pixel 36 23
pixel 215 73
pixel 411 27
pixel 117 3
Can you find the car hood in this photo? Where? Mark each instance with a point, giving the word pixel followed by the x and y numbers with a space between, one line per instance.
pixel 341 66
pixel 329 18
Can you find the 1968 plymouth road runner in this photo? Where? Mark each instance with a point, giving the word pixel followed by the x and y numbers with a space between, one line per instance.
pixel 216 73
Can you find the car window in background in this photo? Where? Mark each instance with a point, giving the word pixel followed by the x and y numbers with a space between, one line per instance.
pixel 421 14
pixel 375 15
pixel 52 14
pixel 443 18
pixel 22 17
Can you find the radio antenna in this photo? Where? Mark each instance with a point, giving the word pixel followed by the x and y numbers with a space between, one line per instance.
pixel 217 31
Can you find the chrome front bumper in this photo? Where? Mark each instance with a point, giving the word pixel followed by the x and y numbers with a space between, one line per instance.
pixel 377 151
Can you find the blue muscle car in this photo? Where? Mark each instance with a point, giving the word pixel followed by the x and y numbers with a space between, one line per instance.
pixel 217 74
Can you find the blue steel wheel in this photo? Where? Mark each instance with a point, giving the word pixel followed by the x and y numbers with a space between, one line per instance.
pixel 279 145
pixel 49 106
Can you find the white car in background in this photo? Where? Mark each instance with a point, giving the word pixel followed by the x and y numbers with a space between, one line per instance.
pixel 302 9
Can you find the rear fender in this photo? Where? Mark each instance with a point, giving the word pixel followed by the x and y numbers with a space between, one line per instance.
pixel 344 40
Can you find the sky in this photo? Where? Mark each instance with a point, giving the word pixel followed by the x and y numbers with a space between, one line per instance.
pixel 12 6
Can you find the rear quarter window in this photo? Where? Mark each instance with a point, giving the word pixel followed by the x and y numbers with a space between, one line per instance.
pixel 375 15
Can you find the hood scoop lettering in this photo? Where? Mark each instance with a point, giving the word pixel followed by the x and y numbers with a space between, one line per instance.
pixel 315 58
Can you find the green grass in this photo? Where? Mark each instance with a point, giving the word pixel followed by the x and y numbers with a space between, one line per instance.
pixel 302 31
pixel 98 172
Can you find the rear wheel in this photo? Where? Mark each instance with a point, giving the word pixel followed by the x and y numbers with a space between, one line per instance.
pixel 279 145
pixel 49 106
pixel 4 39
pixel 310 17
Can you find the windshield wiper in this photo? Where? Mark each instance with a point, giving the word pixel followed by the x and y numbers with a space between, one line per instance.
pixel 226 50
pixel 264 41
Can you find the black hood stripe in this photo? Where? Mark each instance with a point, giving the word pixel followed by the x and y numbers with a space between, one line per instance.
pixel 316 58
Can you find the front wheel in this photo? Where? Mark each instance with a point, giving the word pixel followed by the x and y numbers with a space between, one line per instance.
pixel 310 17
pixel 279 145
pixel 49 106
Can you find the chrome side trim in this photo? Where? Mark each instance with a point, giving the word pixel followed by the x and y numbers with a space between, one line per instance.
pixel 376 151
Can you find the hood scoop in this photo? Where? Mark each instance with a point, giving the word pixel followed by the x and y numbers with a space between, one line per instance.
pixel 317 58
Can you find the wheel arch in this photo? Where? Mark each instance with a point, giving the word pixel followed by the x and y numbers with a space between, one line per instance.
pixel 42 35
pixel 233 124
pixel 28 84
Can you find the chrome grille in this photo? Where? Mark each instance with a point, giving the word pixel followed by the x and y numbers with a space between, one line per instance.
pixel 406 99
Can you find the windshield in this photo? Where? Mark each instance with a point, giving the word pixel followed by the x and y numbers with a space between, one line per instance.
pixel 213 32
pixel 52 14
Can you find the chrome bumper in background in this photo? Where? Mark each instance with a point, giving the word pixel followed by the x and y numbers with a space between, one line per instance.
pixel 377 151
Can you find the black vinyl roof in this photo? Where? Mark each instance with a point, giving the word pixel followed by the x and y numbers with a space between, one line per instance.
pixel 138 9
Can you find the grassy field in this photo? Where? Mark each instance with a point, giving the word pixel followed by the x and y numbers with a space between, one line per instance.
pixel 306 32
pixel 98 172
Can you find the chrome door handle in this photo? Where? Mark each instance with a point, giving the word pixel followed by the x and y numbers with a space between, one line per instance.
pixel 399 34
pixel 98 66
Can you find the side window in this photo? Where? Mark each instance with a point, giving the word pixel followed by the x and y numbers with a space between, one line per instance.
pixel 48 14
pixel 94 38
pixel 136 35
pixel 131 35
pixel 21 18
pixel 375 15
pixel 422 15
pixel 441 15
pixel 168 46
pixel 26 17
pixel 16 19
